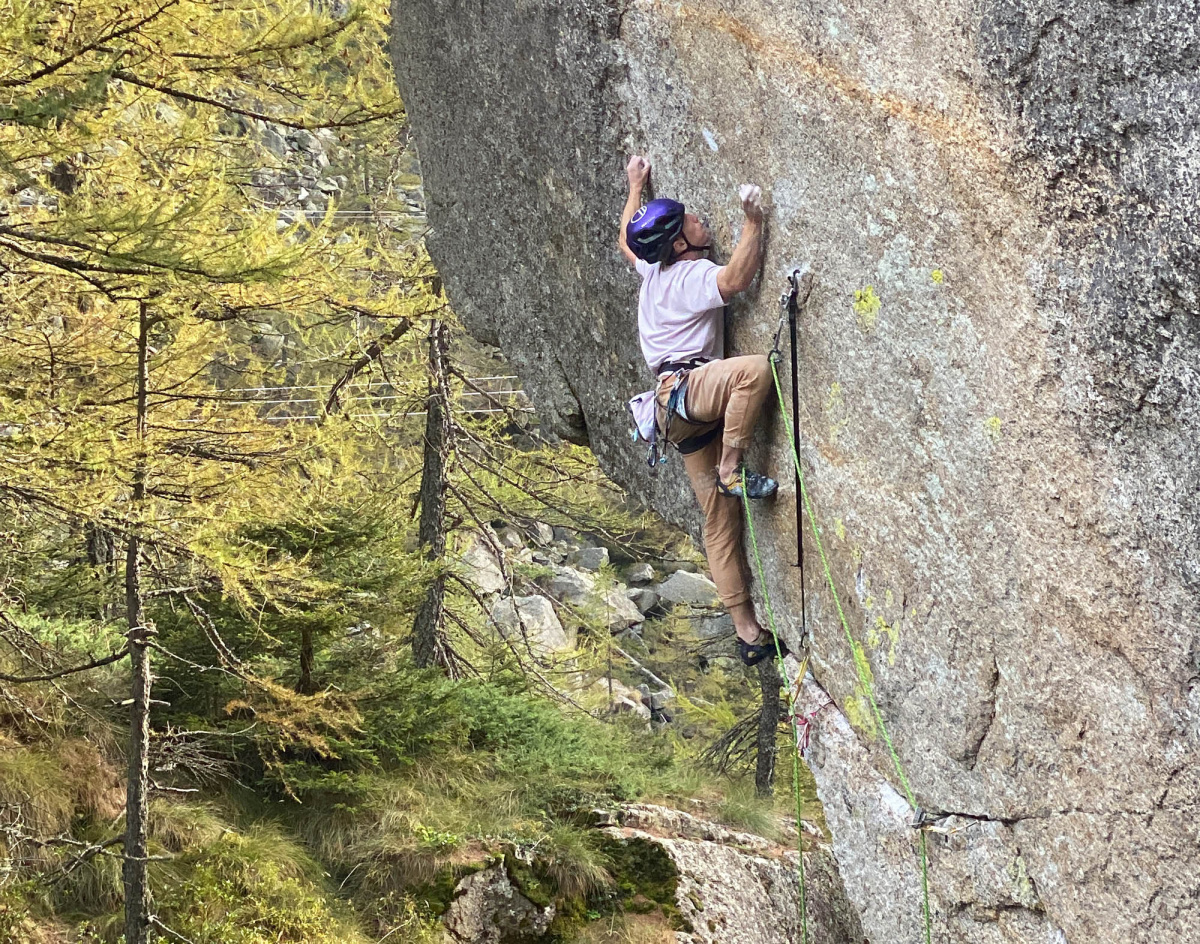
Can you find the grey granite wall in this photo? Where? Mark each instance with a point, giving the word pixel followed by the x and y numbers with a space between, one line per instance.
pixel 999 377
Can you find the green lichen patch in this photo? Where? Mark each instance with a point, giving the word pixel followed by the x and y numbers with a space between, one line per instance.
pixel 528 882
pixel 646 878
pixel 866 307
pixel 857 708
pixel 437 893
pixel 880 632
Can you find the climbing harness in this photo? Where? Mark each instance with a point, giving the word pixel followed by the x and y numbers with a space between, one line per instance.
pixel 791 301
pixel 644 407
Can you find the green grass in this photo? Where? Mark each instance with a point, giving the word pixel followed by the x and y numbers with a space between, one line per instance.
pixel 742 809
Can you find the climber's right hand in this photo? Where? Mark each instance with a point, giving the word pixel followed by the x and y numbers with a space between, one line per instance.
pixel 751 197
pixel 637 170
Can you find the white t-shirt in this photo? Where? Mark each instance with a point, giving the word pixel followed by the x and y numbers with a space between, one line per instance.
pixel 680 312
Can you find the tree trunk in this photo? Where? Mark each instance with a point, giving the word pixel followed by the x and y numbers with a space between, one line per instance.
pixel 137 893
pixel 768 728
pixel 432 531
pixel 101 547
pixel 102 555
pixel 304 685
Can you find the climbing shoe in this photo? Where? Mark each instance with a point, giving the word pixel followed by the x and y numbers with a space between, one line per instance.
pixel 757 486
pixel 752 653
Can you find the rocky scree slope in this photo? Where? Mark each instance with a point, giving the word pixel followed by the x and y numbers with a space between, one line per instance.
pixel 999 378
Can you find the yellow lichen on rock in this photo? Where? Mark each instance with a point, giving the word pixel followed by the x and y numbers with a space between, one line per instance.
pixel 866 307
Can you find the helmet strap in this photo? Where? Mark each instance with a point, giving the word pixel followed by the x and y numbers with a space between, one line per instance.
pixel 690 248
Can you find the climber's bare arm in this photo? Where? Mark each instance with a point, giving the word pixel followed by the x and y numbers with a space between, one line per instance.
pixel 637 170
pixel 739 272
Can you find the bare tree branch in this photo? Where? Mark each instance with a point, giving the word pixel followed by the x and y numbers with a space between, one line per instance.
pixel 107 660
pixel 90 47
pixel 246 113
pixel 155 923
pixel 374 351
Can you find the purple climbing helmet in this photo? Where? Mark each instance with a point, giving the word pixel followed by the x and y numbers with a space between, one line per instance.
pixel 654 229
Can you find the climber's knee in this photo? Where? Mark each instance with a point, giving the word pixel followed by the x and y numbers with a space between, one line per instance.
pixel 759 371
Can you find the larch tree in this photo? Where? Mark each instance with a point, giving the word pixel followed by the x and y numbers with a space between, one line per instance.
pixel 137 263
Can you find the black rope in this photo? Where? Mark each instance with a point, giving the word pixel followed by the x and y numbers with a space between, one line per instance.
pixel 796 443
pixel 793 299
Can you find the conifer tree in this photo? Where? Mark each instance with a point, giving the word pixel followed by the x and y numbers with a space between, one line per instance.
pixel 135 266
pixel 149 301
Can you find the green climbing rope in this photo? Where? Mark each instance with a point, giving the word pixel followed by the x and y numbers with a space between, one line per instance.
pixel 791 705
pixel 856 652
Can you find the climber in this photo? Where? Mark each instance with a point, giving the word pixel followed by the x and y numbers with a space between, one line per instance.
pixel 707 404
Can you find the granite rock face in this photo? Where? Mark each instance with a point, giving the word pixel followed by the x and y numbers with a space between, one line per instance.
pixel 489 909
pixel 738 888
pixel 999 389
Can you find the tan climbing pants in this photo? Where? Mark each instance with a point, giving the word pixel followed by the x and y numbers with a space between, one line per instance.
pixel 733 389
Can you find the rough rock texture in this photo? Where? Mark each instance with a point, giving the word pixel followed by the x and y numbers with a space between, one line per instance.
pixel 590 558
pixel 738 888
pixel 639 574
pixel 643 598
pixel 620 698
pixel 693 589
pixel 533 620
pixel 617 610
pixel 571 586
pixel 480 568
pixel 999 376
pixel 488 909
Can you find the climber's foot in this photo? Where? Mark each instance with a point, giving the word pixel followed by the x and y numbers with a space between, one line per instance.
pixel 752 653
pixel 756 486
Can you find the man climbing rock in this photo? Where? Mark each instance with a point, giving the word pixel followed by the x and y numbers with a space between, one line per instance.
pixel 707 403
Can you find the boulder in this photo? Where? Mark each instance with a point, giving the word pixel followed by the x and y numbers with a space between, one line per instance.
pixel 565 536
pixel 571 586
pixel 274 142
pixel 305 141
pixel 623 699
pixel 541 533
pixel 511 537
pixel 534 619
pixel 489 909
pixel 643 598
pixel 715 626
pixel 589 558
pixel 692 589
pixel 480 568
pixel 618 611
pixel 657 702
pixel 639 574
pixel 734 887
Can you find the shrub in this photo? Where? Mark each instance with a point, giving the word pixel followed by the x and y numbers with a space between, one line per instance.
pixel 254 888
